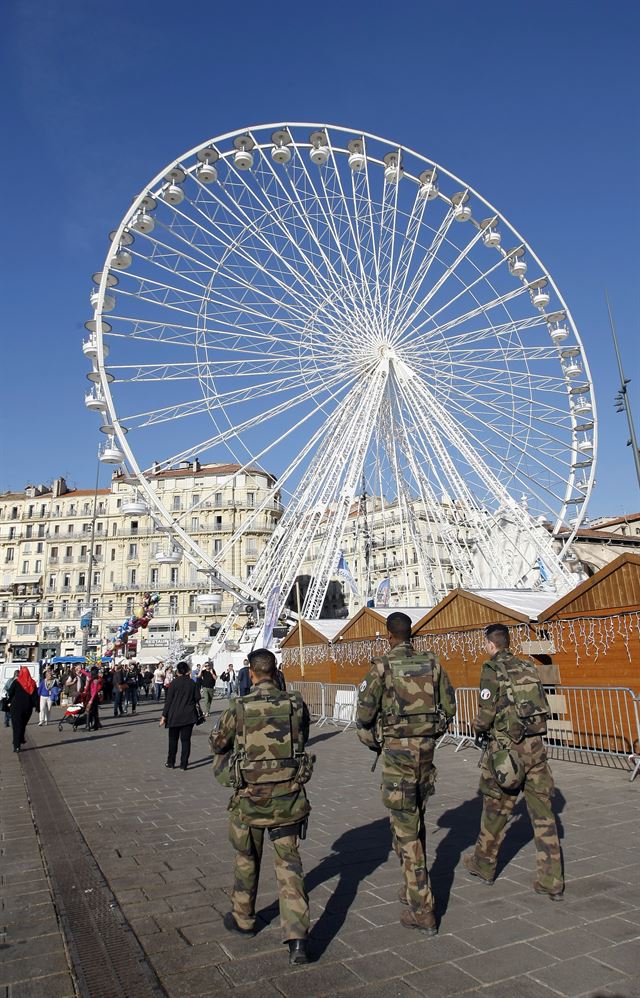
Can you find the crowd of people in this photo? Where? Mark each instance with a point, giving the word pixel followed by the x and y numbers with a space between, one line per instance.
pixel 120 686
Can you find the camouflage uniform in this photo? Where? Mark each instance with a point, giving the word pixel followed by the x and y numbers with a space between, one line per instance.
pixel 268 794
pixel 407 738
pixel 499 718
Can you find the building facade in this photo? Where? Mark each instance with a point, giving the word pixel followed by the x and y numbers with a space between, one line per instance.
pixel 48 576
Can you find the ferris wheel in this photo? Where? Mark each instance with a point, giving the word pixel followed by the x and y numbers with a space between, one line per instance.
pixel 337 309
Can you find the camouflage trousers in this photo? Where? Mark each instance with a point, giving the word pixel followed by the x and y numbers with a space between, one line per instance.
pixel 497 808
pixel 408 780
pixel 248 843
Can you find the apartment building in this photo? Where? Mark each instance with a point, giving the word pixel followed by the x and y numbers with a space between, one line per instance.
pixel 46 574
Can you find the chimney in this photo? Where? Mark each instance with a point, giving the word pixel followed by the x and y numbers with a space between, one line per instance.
pixel 196 465
pixel 59 487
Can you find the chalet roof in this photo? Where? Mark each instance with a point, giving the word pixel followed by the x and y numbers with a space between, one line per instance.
pixel 613 588
pixel 313 632
pixel 475 608
pixel 377 617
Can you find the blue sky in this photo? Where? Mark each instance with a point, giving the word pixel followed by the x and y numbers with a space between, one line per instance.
pixel 535 107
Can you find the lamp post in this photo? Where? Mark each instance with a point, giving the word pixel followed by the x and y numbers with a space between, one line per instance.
pixel 622 401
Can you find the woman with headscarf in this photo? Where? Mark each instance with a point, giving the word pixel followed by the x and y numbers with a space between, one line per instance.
pixel 23 698
pixel 92 692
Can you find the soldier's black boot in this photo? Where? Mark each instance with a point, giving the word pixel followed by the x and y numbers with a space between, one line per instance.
pixel 231 925
pixel 298 952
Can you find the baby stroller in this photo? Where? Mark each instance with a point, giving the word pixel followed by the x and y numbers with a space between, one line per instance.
pixel 75 715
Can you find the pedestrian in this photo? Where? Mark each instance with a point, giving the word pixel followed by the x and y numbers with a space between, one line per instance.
pixel 264 735
pixel 5 699
pixel 47 691
pixel 404 702
pixel 179 715
pixel 92 693
pixel 230 684
pixel 119 690
pixel 244 679
pixel 168 679
pixel 147 680
pixel 511 722
pixel 158 682
pixel 206 684
pixel 23 697
pixel 131 694
pixel 74 684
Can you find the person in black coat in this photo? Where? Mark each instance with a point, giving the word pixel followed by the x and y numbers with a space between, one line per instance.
pixel 23 697
pixel 179 715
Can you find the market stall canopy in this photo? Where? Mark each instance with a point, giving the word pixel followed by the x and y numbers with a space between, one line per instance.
pixel 314 632
pixel 476 608
pixel 614 588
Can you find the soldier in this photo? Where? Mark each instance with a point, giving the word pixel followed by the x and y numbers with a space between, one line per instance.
pixel 406 700
pixel 511 720
pixel 259 750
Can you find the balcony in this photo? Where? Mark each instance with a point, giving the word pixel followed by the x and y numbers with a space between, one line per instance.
pixel 80 588
pixel 63 589
pixel 68 559
pixel 53 559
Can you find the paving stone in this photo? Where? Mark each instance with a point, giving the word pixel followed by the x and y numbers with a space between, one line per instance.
pixel 624 957
pixel 315 980
pixel 425 952
pixel 573 941
pixel 498 964
pixel 441 981
pixel 577 975
pixel 516 987
pixel 379 966
pixel 510 930
pixel 53 986
pixel 35 965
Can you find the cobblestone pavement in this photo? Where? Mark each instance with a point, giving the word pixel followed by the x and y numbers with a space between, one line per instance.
pixel 160 839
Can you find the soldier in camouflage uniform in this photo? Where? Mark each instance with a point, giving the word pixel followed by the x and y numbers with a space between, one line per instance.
pixel 259 750
pixel 512 715
pixel 404 702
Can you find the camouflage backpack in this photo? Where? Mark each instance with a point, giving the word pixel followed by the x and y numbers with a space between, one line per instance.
pixel 269 745
pixel 524 690
pixel 409 704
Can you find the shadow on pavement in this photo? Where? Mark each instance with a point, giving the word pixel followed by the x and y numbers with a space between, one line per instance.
pixel 463 823
pixel 314 739
pixel 72 740
pixel 356 855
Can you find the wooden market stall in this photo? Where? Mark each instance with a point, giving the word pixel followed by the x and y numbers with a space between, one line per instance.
pixel 454 628
pixel 594 638
pixel 595 629
pixel 362 638
pixel 315 647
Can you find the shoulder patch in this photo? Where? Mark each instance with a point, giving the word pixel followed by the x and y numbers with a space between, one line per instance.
pixel 485 694
pixel 363 685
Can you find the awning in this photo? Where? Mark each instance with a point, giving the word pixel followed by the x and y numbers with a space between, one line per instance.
pixel 26 580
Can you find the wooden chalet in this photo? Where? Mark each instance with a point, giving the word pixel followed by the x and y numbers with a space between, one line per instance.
pixel 317 662
pixel 454 628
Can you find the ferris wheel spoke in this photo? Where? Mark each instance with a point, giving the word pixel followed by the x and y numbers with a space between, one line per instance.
pixel 249 424
pixel 420 306
pixel 440 328
pixel 406 256
pixel 322 281
pixel 422 270
pixel 298 308
pixel 387 244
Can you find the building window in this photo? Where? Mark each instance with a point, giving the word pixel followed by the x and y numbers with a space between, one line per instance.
pixel 154 575
pixel 39 547
pixel 113 554
pixel 96 578
pixel 54 552
pixel 133 551
pixel 70 528
pixel 174 576
pixel 38 567
pixel 110 606
pixel 195 499
pixel 193 603
pixel 173 604
pixel 28 530
pixel 193 626
pixel 129 605
pixel 134 526
pixel 12 533
pixel 68 551
pixel 25 567
pixel 176 502
pixel 9 556
pixel 251 498
pixel 82 579
pixel 98 550
pixel 217 546
pixel 195 523
pixel 114 529
pixel 218 522
pixel 218 499
pixel 132 577
pixel 56 529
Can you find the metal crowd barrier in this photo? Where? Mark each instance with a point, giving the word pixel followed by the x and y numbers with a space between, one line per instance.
pixel 329 703
pixel 598 724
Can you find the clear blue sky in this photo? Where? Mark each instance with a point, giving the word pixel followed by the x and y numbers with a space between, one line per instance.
pixel 536 107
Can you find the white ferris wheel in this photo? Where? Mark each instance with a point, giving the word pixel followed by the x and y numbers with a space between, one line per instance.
pixel 337 309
